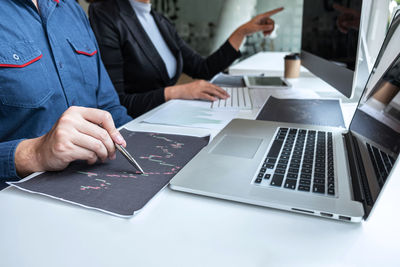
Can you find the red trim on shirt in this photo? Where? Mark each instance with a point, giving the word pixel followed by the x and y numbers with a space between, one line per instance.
pixel 23 65
pixel 57 1
pixel 86 54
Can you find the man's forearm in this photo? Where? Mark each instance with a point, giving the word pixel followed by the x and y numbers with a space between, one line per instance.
pixel 27 157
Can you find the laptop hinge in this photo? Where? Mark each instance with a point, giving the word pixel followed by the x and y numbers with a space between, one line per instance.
pixel 359 180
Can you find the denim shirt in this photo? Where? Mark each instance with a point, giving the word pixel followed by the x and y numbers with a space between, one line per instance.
pixel 49 61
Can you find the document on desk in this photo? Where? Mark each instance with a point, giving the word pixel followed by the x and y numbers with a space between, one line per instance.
pixel 323 112
pixel 115 187
pixel 187 113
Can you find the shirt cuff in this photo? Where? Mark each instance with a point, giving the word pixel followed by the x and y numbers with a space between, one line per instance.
pixel 7 160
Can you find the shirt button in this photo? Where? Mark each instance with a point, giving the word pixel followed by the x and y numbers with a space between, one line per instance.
pixel 16 57
pixel 61 65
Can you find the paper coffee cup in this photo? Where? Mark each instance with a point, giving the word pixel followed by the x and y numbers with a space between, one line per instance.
pixel 292 66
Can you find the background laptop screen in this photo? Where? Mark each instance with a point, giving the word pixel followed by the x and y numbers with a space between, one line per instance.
pixel 376 122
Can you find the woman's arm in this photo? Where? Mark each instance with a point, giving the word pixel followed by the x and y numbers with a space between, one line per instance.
pixel 197 66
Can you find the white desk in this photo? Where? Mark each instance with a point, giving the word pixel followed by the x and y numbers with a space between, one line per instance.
pixel 178 229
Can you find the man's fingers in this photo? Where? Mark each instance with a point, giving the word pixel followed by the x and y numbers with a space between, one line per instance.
pixel 104 119
pixel 99 133
pixel 272 12
pixel 80 153
pixel 91 144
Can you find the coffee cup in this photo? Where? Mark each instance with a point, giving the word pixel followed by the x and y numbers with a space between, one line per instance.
pixel 292 66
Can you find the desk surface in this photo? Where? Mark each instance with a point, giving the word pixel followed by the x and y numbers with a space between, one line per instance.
pixel 179 229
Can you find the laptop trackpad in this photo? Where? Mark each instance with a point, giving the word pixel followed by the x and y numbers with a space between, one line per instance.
pixel 237 146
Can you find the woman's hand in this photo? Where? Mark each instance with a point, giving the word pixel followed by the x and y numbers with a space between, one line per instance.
pixel 195 90
pixel 261 23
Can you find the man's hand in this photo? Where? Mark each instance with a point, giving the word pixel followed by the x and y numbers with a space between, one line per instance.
pixel 196 90
pixel 261 23
pixel 79 134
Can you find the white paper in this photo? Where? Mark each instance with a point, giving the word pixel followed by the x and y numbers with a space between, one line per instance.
pixel 197 114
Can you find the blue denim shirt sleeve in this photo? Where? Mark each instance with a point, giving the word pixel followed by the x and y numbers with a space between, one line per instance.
pixel 7 155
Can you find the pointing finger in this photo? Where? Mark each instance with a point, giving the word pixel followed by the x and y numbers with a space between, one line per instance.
pixel 272 12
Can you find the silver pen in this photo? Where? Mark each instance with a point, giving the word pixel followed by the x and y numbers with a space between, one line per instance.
pixel 128 156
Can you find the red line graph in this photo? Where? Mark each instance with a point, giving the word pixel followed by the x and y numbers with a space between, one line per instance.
pixel 166 152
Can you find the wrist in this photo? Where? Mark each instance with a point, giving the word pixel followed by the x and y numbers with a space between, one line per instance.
pixel 237 37
pixel 27 157
pixel 171 92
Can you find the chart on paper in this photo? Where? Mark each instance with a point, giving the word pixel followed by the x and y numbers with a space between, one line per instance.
pixel 115 186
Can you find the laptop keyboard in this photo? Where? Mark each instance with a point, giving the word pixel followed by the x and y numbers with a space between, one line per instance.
pixel 300 160
pixel 240 99
pixel 382 163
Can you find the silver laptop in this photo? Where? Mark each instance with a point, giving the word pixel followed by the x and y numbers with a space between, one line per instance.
pixel 330 172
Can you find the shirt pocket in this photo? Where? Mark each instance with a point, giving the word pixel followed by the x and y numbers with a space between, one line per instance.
pixel 85 51
pixel 23 77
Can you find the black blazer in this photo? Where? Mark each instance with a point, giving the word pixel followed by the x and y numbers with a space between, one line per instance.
pixel 133 63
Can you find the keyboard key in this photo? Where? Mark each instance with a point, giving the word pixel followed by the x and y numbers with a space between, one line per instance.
pixel 280 171
pixel 307 166
pixel 283 161
pixel 305 182
pixel 263 170
pixel 308 162
pixel 260 175
pixel 258 180
pixel 270 160
pixel 267 176
pixel 304 188
pixel 270 166
pixel 294 170
pixel 317 188
pixel 277 180
pixel 275 149
pixel 305 176
pixel 290 184
pixel 319 181
pixel 296 161
pixel 281 166
pixel 331 191
pixel 292 175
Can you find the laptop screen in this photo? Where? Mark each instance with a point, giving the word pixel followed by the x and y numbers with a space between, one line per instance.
pixel 376 122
